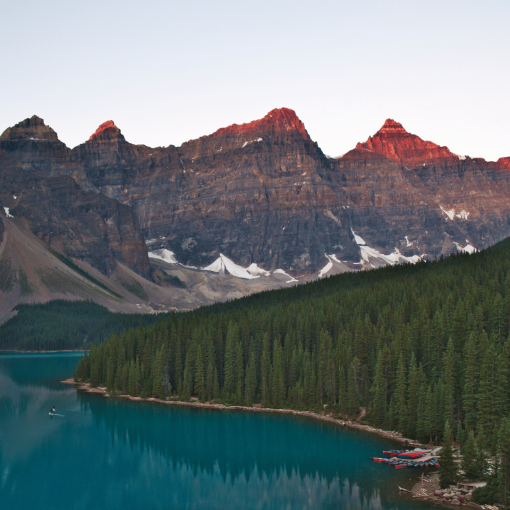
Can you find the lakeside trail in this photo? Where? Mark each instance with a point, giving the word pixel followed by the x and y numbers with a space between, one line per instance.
pixel 394 436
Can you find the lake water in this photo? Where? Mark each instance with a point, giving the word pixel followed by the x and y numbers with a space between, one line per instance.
pixel 117 454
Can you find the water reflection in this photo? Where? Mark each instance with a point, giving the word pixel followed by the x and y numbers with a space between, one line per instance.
pixel 109 453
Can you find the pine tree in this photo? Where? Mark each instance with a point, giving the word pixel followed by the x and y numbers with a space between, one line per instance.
pixel 276 376
pixel 448 379
pixel 470 389
pixel 400 395
pixel 412 399
pixel 157 377
pixel 239 375
pixel 187 380
pixel 448 470
pixel 216 385
pixel 353 391
pixel 469 464
pixel 250 387
pixel 504 458
pixel 491 395
pixel 378 414
pixel 230 381
pixel 200 386
pixel 265 369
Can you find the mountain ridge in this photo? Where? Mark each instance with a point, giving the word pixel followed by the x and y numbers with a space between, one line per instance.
pixel 264 195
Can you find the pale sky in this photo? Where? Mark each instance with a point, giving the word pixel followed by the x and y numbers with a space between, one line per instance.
pixel 170 71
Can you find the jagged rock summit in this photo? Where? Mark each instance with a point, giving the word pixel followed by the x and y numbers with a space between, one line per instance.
pixel 409 150
pixel 277 120
pixel 106 131
pixel 33 128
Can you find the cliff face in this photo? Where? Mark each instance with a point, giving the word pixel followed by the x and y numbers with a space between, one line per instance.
pixel 264 193
pixel 85 225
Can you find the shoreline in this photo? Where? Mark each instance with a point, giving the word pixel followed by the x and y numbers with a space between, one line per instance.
pixel 41 352
pixel 395 436
pixel 416 492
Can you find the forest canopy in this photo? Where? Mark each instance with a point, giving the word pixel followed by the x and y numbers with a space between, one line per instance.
pixel 65 325
pixel 416 345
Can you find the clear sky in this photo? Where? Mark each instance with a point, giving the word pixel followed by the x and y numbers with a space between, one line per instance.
pixel 169 71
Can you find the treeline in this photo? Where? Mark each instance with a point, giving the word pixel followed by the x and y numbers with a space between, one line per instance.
pixel 61 325
pixel 416 345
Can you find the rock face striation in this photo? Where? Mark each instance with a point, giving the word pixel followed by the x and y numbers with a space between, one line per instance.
pixel 264 194
pixel 394 142
pixel 81 224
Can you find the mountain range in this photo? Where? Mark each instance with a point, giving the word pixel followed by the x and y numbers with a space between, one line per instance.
pixel 247 208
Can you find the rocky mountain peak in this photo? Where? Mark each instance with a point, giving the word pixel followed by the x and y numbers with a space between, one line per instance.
pixel 106 131
pixel 409 150
pixel 33 128
pixel 277 120
pixel 392 127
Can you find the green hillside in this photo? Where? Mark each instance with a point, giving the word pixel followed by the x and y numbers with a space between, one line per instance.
pixel 61 325
pixel 416 345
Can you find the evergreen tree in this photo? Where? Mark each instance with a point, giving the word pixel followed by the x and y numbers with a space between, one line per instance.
pixel 353 391
pixel 378 414
pixel 469 464
pixel 265 369
pixel 200 386
pixel 448 470
pixel 250 387
pixel 504 458
pixel 400 395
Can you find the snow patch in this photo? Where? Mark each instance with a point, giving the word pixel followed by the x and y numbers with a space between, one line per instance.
pixel 467 249
pixel 14 196
pixel 281 271
pixel 6 209
pixel 407 241
pixel 359 240
pixel 224 263
pixel 252 141
pixel 462 157
pixel 163 254
pixel 463 215
pixel 256 270
pixel 326 268
pixel 450 213
pixel 393 258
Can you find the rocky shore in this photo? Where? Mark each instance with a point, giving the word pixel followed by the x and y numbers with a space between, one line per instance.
pixel 428 489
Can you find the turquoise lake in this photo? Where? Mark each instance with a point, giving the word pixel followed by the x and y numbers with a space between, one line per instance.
pixel 117 454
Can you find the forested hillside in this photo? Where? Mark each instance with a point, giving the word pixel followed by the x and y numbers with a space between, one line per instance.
pixel 60 325
pixel 417 345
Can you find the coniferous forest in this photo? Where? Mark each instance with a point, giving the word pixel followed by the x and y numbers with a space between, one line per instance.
pixel 417 346
pixel 65 325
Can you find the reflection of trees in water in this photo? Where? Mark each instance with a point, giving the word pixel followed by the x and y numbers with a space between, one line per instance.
pixel 244 444
pixel 42 370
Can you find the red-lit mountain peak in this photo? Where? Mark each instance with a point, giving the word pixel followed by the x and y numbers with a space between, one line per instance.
pixel 394 142
pixel 106 130
pixel 392 127
pixel 277 120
